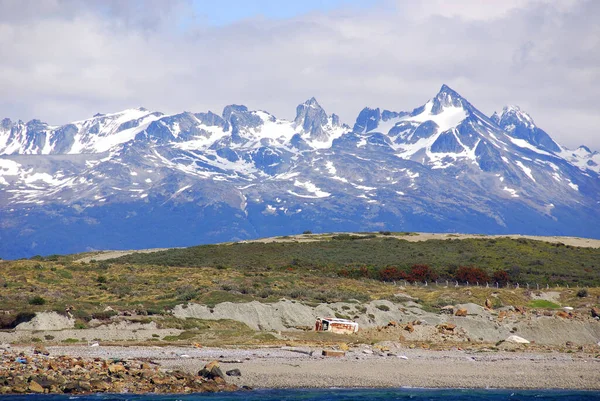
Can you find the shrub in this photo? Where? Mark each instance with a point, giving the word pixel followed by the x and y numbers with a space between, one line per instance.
pixel 582 293
pixel 391 274
pixel 422 273
pixel 384 308
pixel 104 315
pixel 307 232
pixel 501 277
pixel 102 279
pixel 471 274
pixel 37 300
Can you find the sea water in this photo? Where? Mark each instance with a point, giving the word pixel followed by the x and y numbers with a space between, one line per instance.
pixel 335 395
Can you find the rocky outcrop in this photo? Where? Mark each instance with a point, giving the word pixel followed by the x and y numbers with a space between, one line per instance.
pixel 37 373
pixel 47 321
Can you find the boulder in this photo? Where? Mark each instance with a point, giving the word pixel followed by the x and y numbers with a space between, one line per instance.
pixel 563 315
pixel 595 312
pixel 409 327
pixel 41 350
pixel 35 387
pixel 488 303
pixel 233 372
pixel 446 327
pixel 116 368
pixel 472 309
pixel 461 312
pixel 211 371
pixel 516 340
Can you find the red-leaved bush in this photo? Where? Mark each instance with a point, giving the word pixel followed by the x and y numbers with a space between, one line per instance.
pixel 471 274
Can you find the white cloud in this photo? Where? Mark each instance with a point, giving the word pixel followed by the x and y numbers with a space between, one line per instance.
pixel 66 60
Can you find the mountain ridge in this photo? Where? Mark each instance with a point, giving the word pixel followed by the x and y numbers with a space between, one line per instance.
pixel 444 166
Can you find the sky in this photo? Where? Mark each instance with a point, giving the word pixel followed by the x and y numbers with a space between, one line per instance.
pixel 65 60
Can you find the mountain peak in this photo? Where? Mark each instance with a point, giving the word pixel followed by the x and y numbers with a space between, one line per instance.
pixel 312 102
pixel 311 116
pixel 447 97
pixel 518 124
pixel 445 89
pixel 515 111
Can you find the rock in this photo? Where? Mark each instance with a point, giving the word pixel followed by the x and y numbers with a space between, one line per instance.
pixel 488 303
pixel 520 309
pixel 99 385
pixel 595 312
pixel 41 350
pixel 461 312
pixel 392 323
pixel 211 371
pixel 516 340
pixel 333 353
pixel 35 387
pixel 446 327
pixel 563 315
pixel 448 309
pixel 116 368
pixel 233 372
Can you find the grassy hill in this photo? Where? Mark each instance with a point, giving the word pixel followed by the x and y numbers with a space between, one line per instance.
pixel 525 260
pixel 328 269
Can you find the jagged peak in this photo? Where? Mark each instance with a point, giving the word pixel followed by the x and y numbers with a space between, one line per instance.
pixel 516 111
pixel 36 122
pixel 585 148
pixel 447 97
pixel 312 102
pixel 446 90
pixel 233 108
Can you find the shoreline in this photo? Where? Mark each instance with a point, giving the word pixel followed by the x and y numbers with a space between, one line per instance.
pixel 366 367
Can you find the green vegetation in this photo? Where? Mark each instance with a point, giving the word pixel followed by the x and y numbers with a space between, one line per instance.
pixel 37 300
pixel 500 259
pixel 356 267
pixel 543 304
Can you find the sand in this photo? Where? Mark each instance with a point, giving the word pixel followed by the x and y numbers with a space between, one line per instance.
pixel 284 368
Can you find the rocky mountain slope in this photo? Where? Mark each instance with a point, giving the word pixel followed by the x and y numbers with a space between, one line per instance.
pixel 140 179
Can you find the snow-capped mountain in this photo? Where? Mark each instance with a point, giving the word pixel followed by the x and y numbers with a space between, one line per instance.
pixel 138 178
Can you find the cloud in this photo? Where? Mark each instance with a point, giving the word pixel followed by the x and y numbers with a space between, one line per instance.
pixel 66 60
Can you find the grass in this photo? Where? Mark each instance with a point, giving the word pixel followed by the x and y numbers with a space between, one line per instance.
pixel 543 304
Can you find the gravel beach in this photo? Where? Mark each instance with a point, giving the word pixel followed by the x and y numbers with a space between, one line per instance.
pixel 366 367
